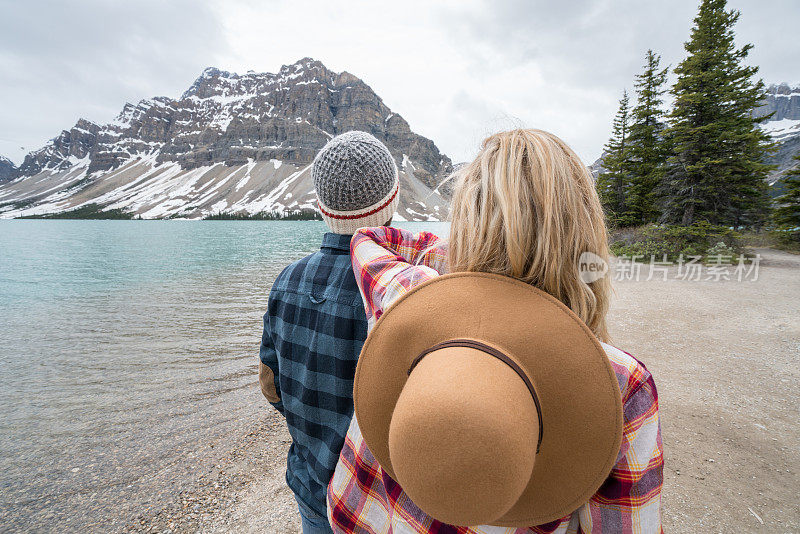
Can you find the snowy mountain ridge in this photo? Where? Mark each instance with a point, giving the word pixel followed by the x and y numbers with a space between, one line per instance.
pixel 230 144
pixel 783 101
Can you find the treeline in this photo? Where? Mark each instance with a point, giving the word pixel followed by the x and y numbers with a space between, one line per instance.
pixel 703 160
pixel 89 211
pixel 295 215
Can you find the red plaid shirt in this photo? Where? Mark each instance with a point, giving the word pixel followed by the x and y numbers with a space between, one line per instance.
pixel 388 262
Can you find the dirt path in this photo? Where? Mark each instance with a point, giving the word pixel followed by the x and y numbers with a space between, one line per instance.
pixel 726 359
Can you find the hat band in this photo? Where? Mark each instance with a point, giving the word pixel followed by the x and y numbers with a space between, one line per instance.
pixel 360 215
pixel 491 351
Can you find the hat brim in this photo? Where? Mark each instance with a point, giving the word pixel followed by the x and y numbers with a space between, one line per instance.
pixel 577 387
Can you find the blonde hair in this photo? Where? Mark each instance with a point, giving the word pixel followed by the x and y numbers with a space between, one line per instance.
pixel 527 208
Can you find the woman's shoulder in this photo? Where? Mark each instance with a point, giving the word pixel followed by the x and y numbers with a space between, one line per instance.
pixel 632 375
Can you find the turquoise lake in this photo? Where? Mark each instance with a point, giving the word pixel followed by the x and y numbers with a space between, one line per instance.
pixel 126 348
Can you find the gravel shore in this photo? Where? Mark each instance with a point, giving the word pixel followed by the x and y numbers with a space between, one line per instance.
pixel 726 359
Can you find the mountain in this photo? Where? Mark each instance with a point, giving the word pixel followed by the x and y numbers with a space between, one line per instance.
pixel 783 127
pixel 598 166
pixel 7 169
pixel 232 143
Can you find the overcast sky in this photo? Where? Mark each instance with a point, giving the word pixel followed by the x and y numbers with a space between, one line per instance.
pixel 456 70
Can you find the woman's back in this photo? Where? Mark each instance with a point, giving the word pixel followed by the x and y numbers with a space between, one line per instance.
pixel 525 208
pixel 363 498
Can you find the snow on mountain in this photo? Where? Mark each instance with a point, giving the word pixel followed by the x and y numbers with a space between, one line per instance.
pixel 230 144
pixel 782 129
pixel 783 100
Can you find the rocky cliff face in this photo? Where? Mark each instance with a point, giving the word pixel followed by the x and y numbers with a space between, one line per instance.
pixel 783 100
pixel 63 151
pixel 783 127
pixel 7 169
pixel 227 121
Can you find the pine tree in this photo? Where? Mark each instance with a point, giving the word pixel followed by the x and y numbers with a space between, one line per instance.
pixel 613 185
pixel 716 171
pixel 646 140
pixel 788 211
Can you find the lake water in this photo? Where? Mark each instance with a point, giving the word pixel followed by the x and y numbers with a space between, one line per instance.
pixel 127 349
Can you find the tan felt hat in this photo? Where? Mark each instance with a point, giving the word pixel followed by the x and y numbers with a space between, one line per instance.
pixel 488 401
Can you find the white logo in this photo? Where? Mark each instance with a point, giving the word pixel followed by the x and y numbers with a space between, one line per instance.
pixel 591 267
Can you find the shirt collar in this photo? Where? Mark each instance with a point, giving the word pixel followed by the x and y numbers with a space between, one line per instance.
pixel 336 243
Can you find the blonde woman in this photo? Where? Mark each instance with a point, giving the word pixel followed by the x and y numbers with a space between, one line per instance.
pixel 525 208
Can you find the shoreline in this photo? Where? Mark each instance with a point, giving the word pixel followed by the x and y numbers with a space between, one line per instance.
pixel 240 489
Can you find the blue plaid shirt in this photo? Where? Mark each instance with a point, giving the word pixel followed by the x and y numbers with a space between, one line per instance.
pixel 314 328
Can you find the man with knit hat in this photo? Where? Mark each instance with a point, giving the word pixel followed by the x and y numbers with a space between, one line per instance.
pixel 315 323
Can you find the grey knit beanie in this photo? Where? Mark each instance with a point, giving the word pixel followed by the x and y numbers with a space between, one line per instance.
pixel 356 181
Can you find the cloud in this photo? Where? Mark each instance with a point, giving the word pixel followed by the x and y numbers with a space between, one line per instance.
pixel 65 60
pixel 455 69
pixel 562 66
